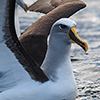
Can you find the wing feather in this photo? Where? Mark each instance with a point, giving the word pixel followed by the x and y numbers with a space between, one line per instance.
pixel 12 72
pixel 34 38
pixel 45 6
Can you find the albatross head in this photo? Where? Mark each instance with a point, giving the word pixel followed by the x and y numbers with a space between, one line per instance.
pixel 57 63
pixel 65 27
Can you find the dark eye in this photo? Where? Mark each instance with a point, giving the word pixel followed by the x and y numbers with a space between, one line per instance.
pixel 62 26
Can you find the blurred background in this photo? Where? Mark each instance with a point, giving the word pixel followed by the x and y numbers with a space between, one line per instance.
pixel 86 66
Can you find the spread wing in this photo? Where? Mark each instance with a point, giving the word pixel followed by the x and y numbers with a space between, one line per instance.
pixel 11 71
pixel 45 6
pixel 34 39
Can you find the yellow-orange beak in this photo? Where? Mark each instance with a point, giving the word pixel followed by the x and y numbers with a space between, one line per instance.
pixel 75 38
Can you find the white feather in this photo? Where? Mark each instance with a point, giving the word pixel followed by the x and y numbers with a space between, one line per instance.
pixel 16 84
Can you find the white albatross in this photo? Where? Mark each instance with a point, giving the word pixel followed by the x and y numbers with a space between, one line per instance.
pixel 34 39
pixel 15 81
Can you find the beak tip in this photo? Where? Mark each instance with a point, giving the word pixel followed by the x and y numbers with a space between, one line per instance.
pixel 86 47
pixel 86 50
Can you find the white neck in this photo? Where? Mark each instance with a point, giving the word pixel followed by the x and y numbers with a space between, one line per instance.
pixel 57 65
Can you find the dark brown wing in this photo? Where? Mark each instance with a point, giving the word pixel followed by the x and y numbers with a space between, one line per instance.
pixel 14 45
pixel 34 39
pixel 45 6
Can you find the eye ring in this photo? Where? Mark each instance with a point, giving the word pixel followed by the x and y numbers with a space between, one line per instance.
pixel 61 26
